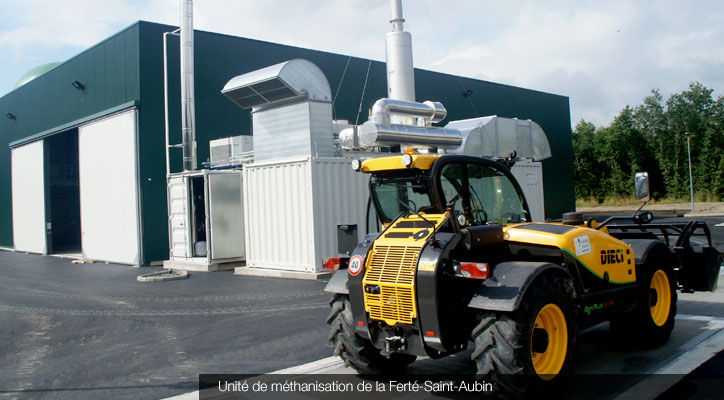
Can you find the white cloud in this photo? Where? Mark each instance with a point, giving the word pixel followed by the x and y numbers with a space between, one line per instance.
pixel 49 24
pixel 603 55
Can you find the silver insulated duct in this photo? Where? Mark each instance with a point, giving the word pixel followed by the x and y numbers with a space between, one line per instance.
pixel 372 134
pixel 188 112
pixel 381 130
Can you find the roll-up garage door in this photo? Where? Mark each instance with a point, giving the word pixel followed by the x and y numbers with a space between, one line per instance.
pixel 109 189
pixel 28 193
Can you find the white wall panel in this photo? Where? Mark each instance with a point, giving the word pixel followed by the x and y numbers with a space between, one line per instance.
pixel 109 189
pixel 28 197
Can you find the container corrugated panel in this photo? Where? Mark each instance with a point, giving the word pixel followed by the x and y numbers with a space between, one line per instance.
pixel 340 198
pixel 278 217
pixel 292 210
pixel 178 215
pixel 530 178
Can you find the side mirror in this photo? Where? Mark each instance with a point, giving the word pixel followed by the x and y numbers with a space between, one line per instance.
pixel 643 217
pixel 641 186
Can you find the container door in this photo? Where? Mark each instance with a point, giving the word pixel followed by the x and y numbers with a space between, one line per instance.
pixel 530 179
pixel 225 215
pixel 109 189
pixel 178 217
pixel 28 197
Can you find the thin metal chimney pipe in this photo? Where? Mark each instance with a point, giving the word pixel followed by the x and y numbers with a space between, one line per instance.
pixel 188 112
pixel 396 16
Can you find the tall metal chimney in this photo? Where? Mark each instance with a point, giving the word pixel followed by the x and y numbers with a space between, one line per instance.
pixel 400 72
pixel 188 111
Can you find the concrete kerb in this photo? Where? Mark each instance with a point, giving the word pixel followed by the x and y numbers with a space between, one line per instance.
pixel 277 273
pixel 681 209
pixel 695 215
pixel 163 275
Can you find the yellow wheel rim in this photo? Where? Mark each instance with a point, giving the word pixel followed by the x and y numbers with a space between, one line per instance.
pixel 549 342
pixel 660 298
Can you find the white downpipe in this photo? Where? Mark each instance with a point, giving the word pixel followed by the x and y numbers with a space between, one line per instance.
pixel 165 95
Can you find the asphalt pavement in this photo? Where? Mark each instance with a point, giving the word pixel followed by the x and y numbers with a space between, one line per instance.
pixel 89 331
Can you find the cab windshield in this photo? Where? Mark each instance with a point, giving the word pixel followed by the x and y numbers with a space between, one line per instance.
pixel 486 194
pixel 410 191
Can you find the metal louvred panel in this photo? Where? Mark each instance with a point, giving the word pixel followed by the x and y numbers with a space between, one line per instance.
pixel 392 268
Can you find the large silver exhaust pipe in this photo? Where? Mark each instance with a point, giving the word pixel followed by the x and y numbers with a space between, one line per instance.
pixel 398 46
pixel 188 111
pixel 398 119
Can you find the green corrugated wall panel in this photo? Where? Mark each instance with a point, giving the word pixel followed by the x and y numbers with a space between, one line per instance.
pixel 152 156
pixel 109 71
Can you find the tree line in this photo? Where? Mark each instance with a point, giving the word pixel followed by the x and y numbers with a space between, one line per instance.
pixel 651 137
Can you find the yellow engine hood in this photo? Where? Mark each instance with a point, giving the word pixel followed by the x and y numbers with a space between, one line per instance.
pixel 596 250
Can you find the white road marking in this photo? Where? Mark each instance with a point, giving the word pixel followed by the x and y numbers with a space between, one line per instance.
pixel 668 375
pixel 314 367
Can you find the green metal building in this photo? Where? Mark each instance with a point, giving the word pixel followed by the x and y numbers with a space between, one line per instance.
pixel 55 119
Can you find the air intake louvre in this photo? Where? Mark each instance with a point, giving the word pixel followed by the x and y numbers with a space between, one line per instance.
pixel 392 268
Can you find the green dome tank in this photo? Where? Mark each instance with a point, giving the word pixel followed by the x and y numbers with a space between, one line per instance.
pixel 34 73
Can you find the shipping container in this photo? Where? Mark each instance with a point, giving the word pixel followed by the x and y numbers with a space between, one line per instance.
pixel 294 209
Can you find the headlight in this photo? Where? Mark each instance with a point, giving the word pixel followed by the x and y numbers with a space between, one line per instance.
pixel 407 160
pixel 356 165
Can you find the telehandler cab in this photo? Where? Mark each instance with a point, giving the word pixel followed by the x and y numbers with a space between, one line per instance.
pixel 459 260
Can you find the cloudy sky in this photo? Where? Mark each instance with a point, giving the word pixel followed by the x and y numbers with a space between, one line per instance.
pixel 602 54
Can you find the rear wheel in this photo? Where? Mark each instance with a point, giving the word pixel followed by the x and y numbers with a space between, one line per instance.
pixel 650 323
pixel 357 352
pixel 530 350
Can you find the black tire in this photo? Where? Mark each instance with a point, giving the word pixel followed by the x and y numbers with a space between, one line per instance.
pixel 649 325
pixel 357 352
pixel 504 341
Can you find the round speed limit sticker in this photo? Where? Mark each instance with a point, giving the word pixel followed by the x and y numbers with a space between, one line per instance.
pixel 355 265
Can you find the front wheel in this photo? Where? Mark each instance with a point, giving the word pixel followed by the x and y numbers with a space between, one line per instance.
pixel 531 350
pixel 357 352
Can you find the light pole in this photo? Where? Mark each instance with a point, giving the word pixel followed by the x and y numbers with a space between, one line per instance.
pixel 691 182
